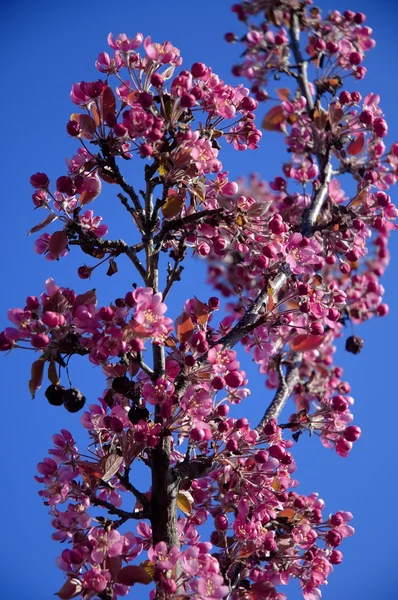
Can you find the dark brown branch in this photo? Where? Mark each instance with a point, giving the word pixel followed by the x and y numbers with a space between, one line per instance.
pixel 123 514
pixel 286 385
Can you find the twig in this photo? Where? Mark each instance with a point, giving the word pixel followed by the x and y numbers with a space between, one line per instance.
pixel 111 508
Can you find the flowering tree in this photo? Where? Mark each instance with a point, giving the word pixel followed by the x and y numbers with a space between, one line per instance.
pixel 293 259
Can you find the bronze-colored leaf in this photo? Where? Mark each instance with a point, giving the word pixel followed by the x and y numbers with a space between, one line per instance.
pixel 110 464
pixel 283 94
pixel 52 373
pixel 304 342
pixel 89 297
pixel 184 327
pixel 274 119
pixel 174 204
pixel 36 376
pixel 57 243
pixel 49 219
pixel 134 574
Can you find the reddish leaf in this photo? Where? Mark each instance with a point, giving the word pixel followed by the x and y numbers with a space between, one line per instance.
pixel 184 327
pixel 57 243
pixel 110 465
pixel 134 574
pixel 108 102
pixel 92 189
pixel 304 342
pixel 49 219
pixel 89 297
pixel 283 93
pixel 201 311
pixel 36 376
pixel 274 119
pixel 356 146
pixel 86 123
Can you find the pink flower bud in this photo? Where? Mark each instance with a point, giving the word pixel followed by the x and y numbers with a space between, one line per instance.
pixel 355 58
pixel 157 80
pixel 380 127
pixel 198 69
pixel 336 557
pixel 345 97
pixel 356 97
pixel 146 150
pixel 84 272
pixel 50 319
pixel 261 457
pixel 277 451
pixel 40 340
pixel 352 433
pixel 343 448
pixel 232 446
pixel 222 410
pixel 40 181
pixel 73 128
pixel 382 310
pixel 234 379
pixel 218 383
pixel 333 538
pixel 316 328
pixel 221 522
pixel 339 403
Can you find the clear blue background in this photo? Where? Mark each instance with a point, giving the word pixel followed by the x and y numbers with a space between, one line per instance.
pixel 45 47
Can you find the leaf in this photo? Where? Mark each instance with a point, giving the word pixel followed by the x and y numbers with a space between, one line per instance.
pixel 110 465
pixel 336 113
pixel 49 219
pixel 304 342
pixel 271 302
pixel 198 190
pixel 201 311
pixel 108 102
pixel 283 94
pixel 184 502
pixel 356 146
pixel 86 123
pixel 274 119
pixel 112 269
pixel 36 376
pixel 89 297
pixel 52 373
pixel 174 204
pixel 134 574
pixel 57 243
pixel 184 327
pixel 320 117
pixel 70 589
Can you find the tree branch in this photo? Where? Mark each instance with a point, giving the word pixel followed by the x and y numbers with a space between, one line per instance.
pixel 284 391
pixel 302 65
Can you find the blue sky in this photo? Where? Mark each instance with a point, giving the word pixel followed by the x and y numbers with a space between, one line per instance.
pixel 46 46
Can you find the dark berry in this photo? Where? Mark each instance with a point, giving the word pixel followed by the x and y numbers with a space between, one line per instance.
pixel 73 400
pixel 55 395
